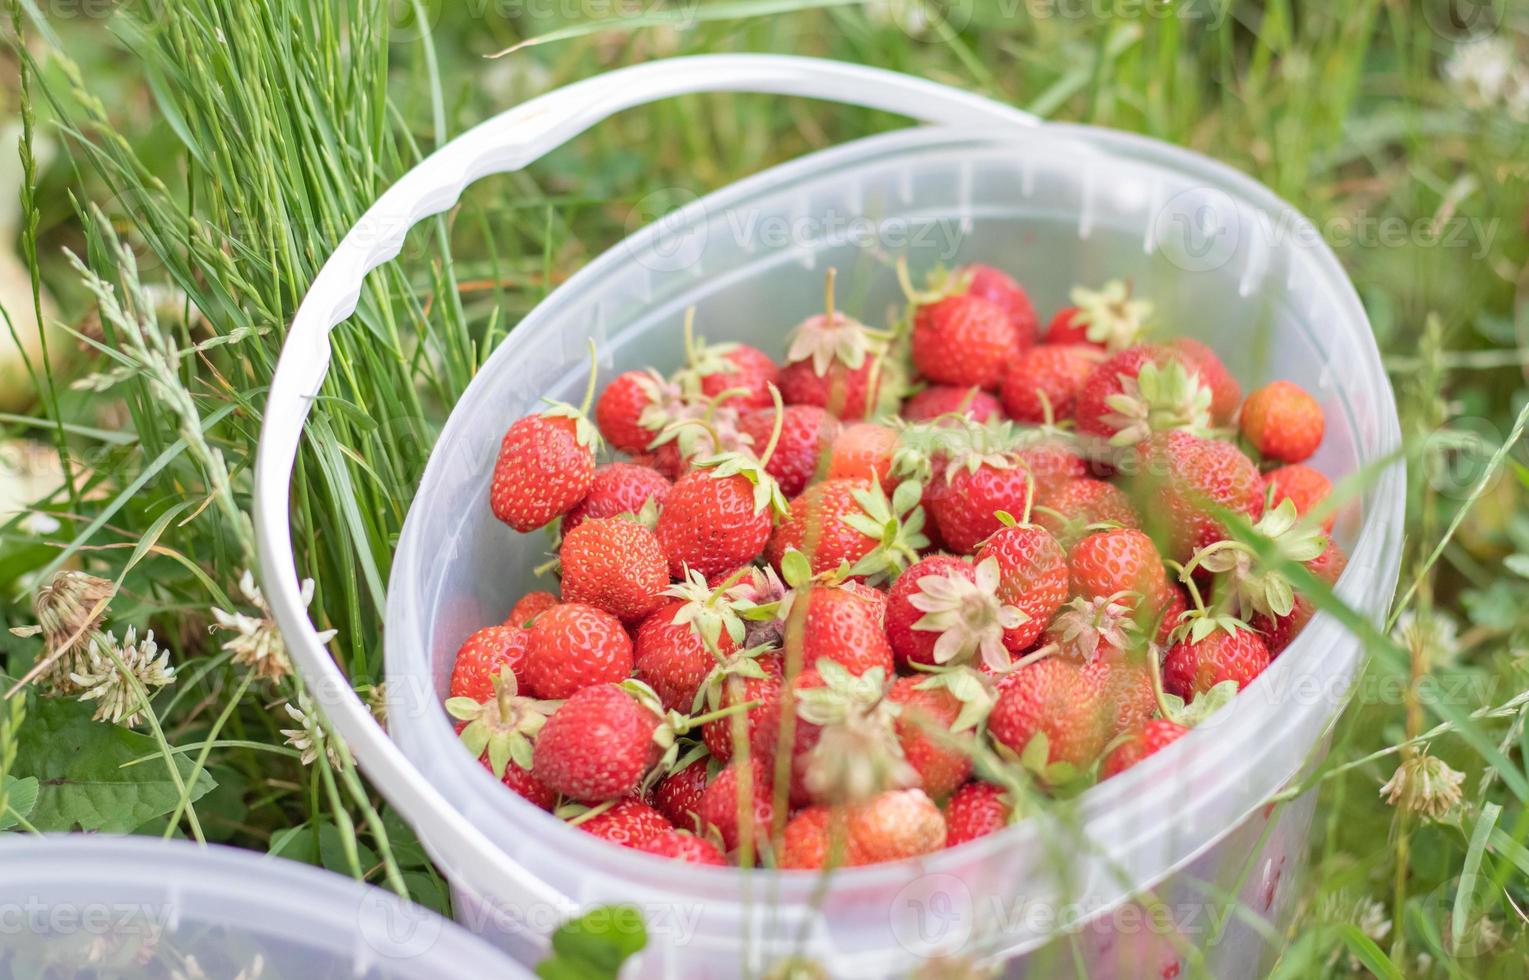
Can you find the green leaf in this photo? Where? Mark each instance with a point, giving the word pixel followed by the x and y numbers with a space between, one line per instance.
pixel 1368 954
pixel 595 945
pixel 1465 895
pixel 1518 564
pixel 20 797
pixel 83 785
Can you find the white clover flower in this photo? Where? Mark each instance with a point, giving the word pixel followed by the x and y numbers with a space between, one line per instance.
pixel 309 737
pixel 70 610
pixel 1483 70
pixel 99 677
pixel 259 644
pixel 1434 636
pixel 1426 786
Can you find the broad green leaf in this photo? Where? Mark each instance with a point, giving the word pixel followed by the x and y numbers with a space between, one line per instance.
pixel 595 945
pixel 20 798
pixel 79 765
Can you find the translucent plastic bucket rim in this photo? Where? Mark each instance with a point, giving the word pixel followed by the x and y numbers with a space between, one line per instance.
pixel 241 887
pixel 464 848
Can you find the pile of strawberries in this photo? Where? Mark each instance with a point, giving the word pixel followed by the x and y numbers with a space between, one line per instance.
pixel 883 597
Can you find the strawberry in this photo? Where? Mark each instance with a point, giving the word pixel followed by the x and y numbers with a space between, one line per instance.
pixel 895 825
pixel 736 375
pixel 634 408
pixel 940 400
pixel 817 837
pixel 480 658
pixel 1123 691
pixel 698 431
pixel 1042 383
pixel 619 488
pixel 528 607
pixel 846 393
pixel 1225 392
pixel 852 522
pixel 598 746
pixel 614 564
pixel 1120 565
pixel 1088 630
pixel 678 795
pixel 999 288
pixel 1200 659
pixel 1150 738
pixel 1108 318
pixel 630 823
pixel 833 362
pixel 760 725
pixel 1305 487
pixel 677 845
pixel 965 500
pixel 718 517
pixel 844 624
pixel 498 730
pixel 845 747
pixel 975 810
pixel 806 436
pixel 1283 422
pixel 546 466
pixel 1032 578
pixel 926 708
pixel 573 646
pixel 1048 699
pixel 739 803
pixel 1278 631
pixel 678 646
pixel 963 340
pixel 1142 391
pixel 1187 479
pixel 864 451
pixel 944 611
pixel 1067 508
pixel 1052 461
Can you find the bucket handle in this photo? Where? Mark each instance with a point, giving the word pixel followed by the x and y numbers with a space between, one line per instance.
pixel 507 142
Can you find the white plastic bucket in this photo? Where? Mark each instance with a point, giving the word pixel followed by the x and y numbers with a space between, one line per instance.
pixel 110 907
pixel 1055 205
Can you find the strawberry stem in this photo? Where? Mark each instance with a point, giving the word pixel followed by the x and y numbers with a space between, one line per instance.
pixel 690 357
pixel 594 375
pixel 1155 669
pixel 780 420
pixel 828 299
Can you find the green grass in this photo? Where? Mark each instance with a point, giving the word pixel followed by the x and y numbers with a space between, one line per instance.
pixel 229 145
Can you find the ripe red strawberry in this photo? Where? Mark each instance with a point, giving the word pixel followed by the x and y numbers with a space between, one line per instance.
pixel 683 640
pixel 1124 691
pixel 975 810
pixel 1141 391
pixel 1303 486
pixel 726 367
pixel 761 723
pixel 1069 326
pixel 1225 392
pixel 1068 507
pixel 817 837
pixel 528 607
pixel 500 729
pixel 939 400
pixel 1283 422
pixel 846 522
pixel 524 784
pixel 546 466
pixel 941 611
pixel 1120 560
pixel 630 823
pixel 1235 653
pixel 843 624
pixel 718 518
pixel 741 806
pixel 480 658
pixel 806 435
pixel 917 645
pixel 847 393
pixel 618 488
pixel 634 408
pixel 1050 697
pixel 1052 461
pixel 864 451
pixel 1278 631
pixel 999 288
pixel 573 646
pixel 1041 385
pixel 1187 478
pixel 965 499
pixel 1108 318
pixel 924 711
pixel 678 795
pixel 896 825
pixel 963 340
pixel 598 746
pixel 1146 740
pixel 614 564
pixel 1032 577
pixel 678 845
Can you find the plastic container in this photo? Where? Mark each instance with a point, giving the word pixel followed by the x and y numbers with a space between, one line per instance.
pixel 139 907
pixel 1054 204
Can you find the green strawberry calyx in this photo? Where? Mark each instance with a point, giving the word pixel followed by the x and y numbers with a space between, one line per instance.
pixel 967 614
pixel 895 523
pixel 832 336
pixel 1110 315
pixel 706 610
pixel 1256 587
pixel 974 690
pixel 504 726
pixel 858 754
pixel 1159 398
pixel 1202 707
